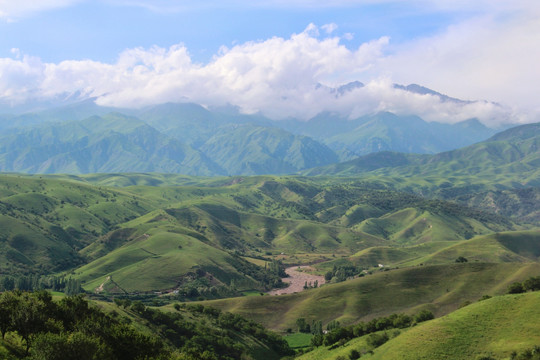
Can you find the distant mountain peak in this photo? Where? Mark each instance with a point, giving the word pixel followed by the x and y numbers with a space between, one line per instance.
pixel 349 87
pixel 342 89
pixel 422 90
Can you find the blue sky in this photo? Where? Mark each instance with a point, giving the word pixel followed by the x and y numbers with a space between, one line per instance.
pixel 269 56
pixel 101 30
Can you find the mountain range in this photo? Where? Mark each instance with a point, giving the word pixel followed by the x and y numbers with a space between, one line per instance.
pixel 187 138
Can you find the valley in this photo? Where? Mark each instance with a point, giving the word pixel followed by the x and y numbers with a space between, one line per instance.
pixel 335 246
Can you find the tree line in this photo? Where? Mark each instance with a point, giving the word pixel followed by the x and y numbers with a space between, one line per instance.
pixel 336 335
pixel 73 328
pixel 69 285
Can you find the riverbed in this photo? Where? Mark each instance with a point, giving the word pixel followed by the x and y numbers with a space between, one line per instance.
pixel 297 279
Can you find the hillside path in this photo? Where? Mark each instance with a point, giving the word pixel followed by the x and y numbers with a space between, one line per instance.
pixel 297 280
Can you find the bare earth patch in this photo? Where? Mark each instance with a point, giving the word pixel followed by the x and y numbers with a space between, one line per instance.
pixel 297 279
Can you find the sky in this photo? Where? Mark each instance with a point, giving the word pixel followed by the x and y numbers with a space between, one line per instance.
pixel 278 58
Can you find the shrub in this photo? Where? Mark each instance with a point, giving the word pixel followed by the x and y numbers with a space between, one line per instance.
pixel 354 354
pixel 376 340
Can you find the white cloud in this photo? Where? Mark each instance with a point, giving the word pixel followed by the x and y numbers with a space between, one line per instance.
pixel 485 57
pixel 20 79
pixel 480 58
pixel 329 28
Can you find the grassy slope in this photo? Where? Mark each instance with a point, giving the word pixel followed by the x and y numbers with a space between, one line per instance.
pixel 515 246
pixel 45 221
pixel 440 288
pixel 215 218
pixel 325 353
pixel 156 261
pixel 496 327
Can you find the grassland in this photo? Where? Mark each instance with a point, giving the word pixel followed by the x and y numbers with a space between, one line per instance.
pixel 495 327
pixel 439 288
pixel 514 246
pixel 298 340
pixel 149 237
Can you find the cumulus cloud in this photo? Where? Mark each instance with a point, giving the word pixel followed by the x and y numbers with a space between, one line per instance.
pixel 483 57
pixel 282 77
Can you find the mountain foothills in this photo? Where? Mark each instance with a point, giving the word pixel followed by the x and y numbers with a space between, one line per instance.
pixel 424 254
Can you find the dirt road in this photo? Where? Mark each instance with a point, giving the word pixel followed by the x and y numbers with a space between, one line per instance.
pixel 297 279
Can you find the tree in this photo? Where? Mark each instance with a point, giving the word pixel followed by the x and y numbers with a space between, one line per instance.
pixel 336 335
pixel 316 327
pixel 317 340
pixel 423 315
pixel 402 321
pixel 302 325
pixel 532 283
pixel 516 288
pixel 7 283
pixel 8 304
pixel 328 276
pixel 31 314
pixel 383 324
pixel 334 324
pixel 73 346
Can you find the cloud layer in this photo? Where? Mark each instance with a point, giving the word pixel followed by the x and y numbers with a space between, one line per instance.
pixel 486 57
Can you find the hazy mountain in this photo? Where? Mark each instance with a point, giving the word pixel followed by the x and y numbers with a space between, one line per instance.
pixel 191 139
pixel 388 132
pixel 192 123
pixel 250 149
pixel 113 143
pixel 514 151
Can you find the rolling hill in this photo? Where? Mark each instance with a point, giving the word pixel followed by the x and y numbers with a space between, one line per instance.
pixel 494 328
pixel 439 288
pixel 124 231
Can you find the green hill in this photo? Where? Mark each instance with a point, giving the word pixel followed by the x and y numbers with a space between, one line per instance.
pixel 495 327
pixel 45 222
pixel 439 288
pixel 385 131
pixel 251 215
pixel 160 260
